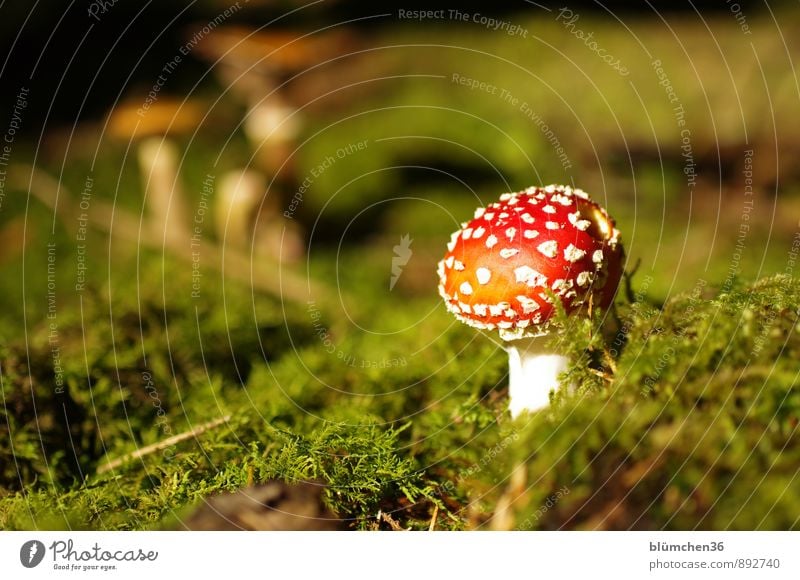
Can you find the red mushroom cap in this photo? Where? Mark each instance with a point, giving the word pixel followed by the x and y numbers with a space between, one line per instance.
pixel 502 268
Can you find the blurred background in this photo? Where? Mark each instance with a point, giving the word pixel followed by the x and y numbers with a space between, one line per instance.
pixel 430 115
pixel 223 196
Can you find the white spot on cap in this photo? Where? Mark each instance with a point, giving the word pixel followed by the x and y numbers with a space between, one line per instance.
pixel 488 216
pixel 528 304
pixel 552 225
pixel 503 215
pixel 510 313
pixel 479 309
pixel 549 209
pixel 478 232
pixel 449 261
pixel 582 225
pixel 548 248
pixel 527 218
pixel 530 234
pixel 562 199
pixel 506 253
pixel 506 196
pixel 453 239
pixel 573 254
pixel 479 212
pixel 458 265
pixel 465 308
pixel 491 241
pixel 484 275
pixel 510 233
pixel 550 188
pixel 584 279
pixel 467 233
pixel 597 257
pixel 560 286
pixel 529 276
pixel 474 323
pixel 465 288
pixel 614 238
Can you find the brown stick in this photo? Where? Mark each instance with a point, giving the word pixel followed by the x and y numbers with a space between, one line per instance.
pixel 433 519
pixel 161 445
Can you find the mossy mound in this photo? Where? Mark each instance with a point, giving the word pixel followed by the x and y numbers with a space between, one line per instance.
pixel 684 416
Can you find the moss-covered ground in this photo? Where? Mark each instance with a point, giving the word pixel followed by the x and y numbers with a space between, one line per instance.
pixel 685 415
pixel 686 406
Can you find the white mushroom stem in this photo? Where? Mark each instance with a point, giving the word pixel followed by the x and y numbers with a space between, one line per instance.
pixel 169 214
pixel 533 371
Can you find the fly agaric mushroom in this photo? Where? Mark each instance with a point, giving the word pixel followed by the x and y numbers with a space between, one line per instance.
pixel 506 268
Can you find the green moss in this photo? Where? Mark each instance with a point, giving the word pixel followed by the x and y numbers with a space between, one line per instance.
pixel 683 416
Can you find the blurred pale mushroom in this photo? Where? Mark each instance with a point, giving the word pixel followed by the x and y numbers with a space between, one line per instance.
pixel 168 212
pixel 253 65
pixel 272 127
pixel 244 214
pixel 243 55
pixel 278 238
pixel 237 199
pixel 158 157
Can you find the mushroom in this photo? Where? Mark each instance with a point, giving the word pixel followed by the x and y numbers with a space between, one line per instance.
pixel 505 269
pixel 152 129
pixel 247 218
pixel 240 193
pixel 256 66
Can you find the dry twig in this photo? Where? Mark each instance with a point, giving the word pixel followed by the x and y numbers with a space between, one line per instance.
pixel 161 445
